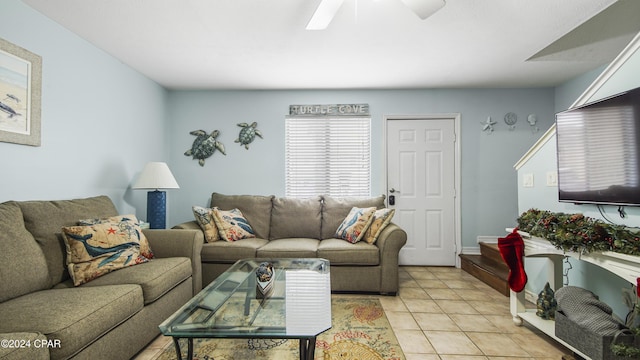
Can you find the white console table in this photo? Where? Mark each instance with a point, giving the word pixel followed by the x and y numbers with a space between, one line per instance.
pixel 624 266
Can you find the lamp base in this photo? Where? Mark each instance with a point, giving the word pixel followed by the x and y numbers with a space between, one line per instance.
pixel 157 209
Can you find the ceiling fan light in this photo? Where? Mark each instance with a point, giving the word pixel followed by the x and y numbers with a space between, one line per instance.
pixel 325 12
pixel 424 8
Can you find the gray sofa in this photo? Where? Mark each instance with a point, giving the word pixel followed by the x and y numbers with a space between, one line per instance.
pixel 297 228
pixel 44 316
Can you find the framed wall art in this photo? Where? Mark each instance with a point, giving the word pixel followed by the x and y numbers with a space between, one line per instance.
pixel 20 94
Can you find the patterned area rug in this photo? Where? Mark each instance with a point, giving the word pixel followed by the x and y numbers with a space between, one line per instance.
pixel 360 331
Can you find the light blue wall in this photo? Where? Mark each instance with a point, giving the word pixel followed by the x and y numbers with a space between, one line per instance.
pixel 601 282
pixel 101 121
pixel 567 93
pixel 489 191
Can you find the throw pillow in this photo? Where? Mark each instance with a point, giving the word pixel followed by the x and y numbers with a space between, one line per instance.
pixel 95 250
pixel 204 218
pixel 128 224
pixel 355 225
pixel 334 209
pixel 381 218
pixel 232 225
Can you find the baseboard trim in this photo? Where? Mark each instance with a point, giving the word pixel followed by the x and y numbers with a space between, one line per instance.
pixel 530 296
pixel 470 250
pixel 487 239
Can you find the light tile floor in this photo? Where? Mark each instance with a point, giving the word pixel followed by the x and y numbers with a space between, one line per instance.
pixel 443 313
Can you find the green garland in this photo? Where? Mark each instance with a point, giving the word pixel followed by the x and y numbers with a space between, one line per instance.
pixel 628 351
pixel 579 233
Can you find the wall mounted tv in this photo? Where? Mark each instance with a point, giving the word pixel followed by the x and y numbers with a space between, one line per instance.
pixel 598 148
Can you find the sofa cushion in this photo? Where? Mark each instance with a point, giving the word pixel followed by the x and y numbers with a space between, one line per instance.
pixel 95 250
pixel 289 248
pixel 156 277
pixel 292 217
pixel 340 252
pixel 204 218
pixel 381 218
pixel 355 225
pixel 334 210
pixel 232 225
pixel 44 219
pixel 127 224
pixel 74 316
pixel 255 208
pixel 30 352
pixel 22 263
pixel 224 251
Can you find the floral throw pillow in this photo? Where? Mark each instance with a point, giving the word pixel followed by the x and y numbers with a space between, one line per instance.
pixel 95 250
pixel 125 223
pixel 355 225
pixel 204 218
pixel 381 218
pixel 232 225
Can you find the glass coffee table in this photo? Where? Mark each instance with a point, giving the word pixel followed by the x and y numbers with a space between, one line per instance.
pixel 296 306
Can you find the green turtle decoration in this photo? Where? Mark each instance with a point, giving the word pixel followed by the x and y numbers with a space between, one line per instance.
pixel 248 134
pixel 204 145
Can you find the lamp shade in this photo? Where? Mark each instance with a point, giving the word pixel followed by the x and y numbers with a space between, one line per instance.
pixel 156 175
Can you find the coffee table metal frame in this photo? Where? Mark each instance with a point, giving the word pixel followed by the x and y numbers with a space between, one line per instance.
pixel 305 296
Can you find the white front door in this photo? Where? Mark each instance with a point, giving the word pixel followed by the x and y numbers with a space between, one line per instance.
pixel 422 163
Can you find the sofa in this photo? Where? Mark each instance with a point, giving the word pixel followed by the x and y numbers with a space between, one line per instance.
pixel 44 315
pixel 306 228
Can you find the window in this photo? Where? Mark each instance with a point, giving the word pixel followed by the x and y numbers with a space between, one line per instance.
pixel 328 155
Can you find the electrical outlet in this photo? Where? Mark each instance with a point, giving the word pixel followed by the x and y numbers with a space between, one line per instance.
pixel 552 178
pixel 527 180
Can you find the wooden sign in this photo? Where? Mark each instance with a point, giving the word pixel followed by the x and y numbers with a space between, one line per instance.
pixel 330 110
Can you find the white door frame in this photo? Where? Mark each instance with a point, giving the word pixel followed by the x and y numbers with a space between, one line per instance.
pixel 457 166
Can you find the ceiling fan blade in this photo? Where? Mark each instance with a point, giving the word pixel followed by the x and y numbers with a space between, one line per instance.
pixel 424 8
pixel 324 14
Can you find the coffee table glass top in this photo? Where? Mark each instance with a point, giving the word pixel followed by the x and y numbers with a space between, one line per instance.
pixel 297 305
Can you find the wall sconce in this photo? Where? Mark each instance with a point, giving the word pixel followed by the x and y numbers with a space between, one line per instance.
pixel 156 175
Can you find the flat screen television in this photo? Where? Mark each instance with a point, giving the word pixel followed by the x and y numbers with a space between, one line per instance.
pixel 598 149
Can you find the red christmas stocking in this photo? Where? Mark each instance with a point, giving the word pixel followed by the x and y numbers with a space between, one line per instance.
pixel 512 251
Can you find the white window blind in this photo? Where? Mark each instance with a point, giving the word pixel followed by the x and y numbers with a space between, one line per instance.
pixel 330 156
pixel 594 138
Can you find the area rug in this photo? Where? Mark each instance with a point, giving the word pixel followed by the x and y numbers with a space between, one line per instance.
pixel 360 330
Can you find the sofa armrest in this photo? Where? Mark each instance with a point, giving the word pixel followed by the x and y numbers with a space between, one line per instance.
pixel 191 225
pixel 390 241
pixel 179 243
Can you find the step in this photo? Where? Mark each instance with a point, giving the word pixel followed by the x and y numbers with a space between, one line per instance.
pixel 488 271
pixel 491 251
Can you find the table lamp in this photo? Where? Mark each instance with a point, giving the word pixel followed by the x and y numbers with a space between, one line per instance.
pixel 156 175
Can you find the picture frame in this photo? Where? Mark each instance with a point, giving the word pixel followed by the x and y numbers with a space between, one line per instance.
pixel 20 95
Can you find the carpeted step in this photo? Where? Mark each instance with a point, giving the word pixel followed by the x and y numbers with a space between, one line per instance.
pixel 489 271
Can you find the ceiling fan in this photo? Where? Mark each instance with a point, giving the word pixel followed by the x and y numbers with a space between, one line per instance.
pixel 327 9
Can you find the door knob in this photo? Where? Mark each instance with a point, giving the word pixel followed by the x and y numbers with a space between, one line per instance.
pixel 392 190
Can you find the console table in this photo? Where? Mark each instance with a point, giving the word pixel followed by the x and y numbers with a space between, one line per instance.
pixel 625 266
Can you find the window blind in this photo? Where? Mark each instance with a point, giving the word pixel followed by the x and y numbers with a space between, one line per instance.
pixel 330 156
pixel 589 142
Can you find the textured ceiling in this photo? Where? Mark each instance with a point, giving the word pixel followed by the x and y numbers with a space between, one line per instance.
pixel 370 44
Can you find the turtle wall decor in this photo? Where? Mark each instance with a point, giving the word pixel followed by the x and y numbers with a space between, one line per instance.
pixel 248 134
pixel 204 145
